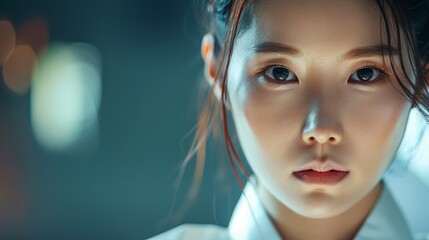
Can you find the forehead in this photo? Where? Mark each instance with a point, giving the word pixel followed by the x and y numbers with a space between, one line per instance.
pixel 318 26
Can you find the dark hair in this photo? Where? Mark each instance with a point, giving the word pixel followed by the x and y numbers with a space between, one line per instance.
pixel 229 18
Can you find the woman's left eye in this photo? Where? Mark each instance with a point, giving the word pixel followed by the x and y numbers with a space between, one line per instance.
pixel 367 75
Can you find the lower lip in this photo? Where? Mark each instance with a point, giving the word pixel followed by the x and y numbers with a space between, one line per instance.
pixel 315 177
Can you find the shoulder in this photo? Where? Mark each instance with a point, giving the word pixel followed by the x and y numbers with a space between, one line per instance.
pixel 193 231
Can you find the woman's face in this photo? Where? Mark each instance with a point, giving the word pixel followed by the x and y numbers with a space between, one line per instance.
pixel 296 96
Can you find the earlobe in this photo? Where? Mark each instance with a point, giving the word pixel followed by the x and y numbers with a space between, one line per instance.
pixel 207 47
pixel 207 53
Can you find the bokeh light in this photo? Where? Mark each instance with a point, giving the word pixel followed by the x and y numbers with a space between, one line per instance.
pixel 34 33
pixel 66 94
pixel 18 68
pixel 7 39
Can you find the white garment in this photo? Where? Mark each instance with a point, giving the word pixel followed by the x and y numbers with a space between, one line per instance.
pixel 401 212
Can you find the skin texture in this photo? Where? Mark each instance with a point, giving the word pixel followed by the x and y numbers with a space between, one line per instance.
pixel 322 114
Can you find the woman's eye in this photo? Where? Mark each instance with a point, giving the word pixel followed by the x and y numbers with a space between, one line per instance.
pixel 279 74
pixel 367 74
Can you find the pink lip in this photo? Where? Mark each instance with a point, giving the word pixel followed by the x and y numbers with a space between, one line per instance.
pixel 315 177
pixel 324 166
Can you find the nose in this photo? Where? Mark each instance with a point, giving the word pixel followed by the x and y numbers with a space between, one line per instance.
pixel 321 126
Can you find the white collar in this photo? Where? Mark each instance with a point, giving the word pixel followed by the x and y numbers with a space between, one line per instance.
pixel 250 220
pixel 412 196
pixel 386 220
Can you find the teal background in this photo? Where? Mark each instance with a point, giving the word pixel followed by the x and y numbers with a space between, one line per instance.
pixel 122 189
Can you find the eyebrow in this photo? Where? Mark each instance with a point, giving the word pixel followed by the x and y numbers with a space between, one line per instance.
pixel 274 47
pixel 367 51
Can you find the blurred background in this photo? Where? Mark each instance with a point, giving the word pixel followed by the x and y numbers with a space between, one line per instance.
pixel 96 101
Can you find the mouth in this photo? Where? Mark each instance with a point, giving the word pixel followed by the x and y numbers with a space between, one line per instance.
pixel 326 172
pixel 323 166
pixel 326 178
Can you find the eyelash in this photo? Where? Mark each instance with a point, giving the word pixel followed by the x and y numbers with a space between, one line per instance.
pixel 380 79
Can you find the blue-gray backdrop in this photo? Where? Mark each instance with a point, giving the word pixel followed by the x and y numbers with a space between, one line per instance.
pixel 121 187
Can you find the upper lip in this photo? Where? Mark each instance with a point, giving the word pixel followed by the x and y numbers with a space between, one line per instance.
pixel 322 166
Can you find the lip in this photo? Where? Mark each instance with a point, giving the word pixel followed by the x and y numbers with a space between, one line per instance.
pixel 327 178
pixel 325 166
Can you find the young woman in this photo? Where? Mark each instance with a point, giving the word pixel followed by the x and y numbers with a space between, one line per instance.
pixel 320 93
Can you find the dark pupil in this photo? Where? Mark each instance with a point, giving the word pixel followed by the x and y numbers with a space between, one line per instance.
pixel 365 74
pixel 280 73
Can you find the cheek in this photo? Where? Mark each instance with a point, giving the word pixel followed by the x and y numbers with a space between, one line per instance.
pixel 263 122
pixel 275 119
pixel 373 128
pixel 269 114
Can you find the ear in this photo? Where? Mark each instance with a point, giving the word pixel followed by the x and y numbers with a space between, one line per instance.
pixel 207 52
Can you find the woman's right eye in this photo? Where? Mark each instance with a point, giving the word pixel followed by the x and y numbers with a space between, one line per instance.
pixel 279 74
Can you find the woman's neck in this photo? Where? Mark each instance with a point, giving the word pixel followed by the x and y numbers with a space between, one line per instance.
pixel 291 225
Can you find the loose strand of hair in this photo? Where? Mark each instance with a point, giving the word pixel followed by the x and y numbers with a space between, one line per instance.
pixel 198 148
pixel 419 99
pixel 234 20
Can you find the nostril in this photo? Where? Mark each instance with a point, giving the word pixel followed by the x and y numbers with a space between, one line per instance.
pixel 322 139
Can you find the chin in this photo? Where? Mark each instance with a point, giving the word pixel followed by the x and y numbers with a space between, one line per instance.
pixel 319 208
pixel 320 213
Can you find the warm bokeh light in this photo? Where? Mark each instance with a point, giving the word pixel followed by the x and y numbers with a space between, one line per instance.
pixel 35 33
pixel 7 39
pixel 18 68
pixel 66 93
